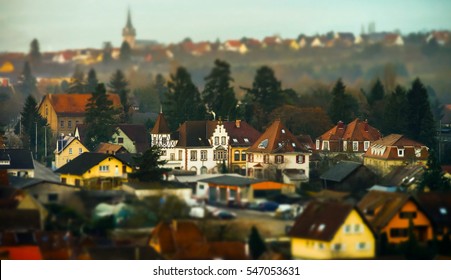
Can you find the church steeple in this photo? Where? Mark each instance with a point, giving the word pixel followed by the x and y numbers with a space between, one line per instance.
pixel 129 32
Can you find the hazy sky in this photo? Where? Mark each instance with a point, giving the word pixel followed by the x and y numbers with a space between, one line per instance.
pixel 64 24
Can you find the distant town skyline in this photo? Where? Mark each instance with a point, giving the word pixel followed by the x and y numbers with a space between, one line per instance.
pixel 61 24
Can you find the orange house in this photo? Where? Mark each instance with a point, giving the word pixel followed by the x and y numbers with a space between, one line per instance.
pixel 390 213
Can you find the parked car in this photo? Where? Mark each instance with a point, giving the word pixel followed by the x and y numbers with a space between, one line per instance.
pixel 224 215
pixel 268 206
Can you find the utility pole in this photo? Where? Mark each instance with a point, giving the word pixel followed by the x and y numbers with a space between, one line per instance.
pixel 36 140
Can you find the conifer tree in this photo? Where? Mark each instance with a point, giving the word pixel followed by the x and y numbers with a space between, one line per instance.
pixel 92 81
pixel 77 82
pixel 433 177
pixel 119 85
pixel 183 99
pixel 343 107
pixel 395 112
pixel 218 93
pixel 125 54
pixel 149 166
pixel 100 118
pixel 161 88
pixel 377 93
pixel 34 54
pixel 27 82
pixel 107 51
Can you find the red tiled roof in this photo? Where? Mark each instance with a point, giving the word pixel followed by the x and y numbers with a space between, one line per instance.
pixel 75 103
pixel 108 148
pixel 161 125
pixel 356 130
pixel 233 43
pixel 277 139
pixel 390 145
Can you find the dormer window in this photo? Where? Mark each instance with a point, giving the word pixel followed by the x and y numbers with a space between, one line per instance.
pixel 263 144
pixel 325 146
pixel 355 146
pixel 366 145
pixel 317 144
pixel 400 152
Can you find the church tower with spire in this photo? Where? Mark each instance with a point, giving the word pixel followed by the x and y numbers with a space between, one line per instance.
pixel 129 32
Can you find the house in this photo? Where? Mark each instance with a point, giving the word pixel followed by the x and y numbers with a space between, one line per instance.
pixel 271 41
pixel 393 40
pixel 438 207
pixel 252 44
pixel 390 214
pixel 278 155
pixel 332 230
pixel 441 37
pixel 394 150
pixel 348 176
pixel 17 162
pixel 183 240
pixel 64 111
pixel 235 46
pixel 67 148
pixel 318 42
pixel 112 149
pixel 94 170
pixel 241 136
pixel 133 137
pixel 344 39
pixel 291 44
pixel 355 137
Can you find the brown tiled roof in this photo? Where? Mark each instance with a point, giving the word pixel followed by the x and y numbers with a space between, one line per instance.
pixel 391 143
pixel 240 130
pixel 138 134
pixel 161 125
pixel 277 139
pixel 356 130
pixel 321 220
pixel 385 206
pixel 108 148
pixel 75 103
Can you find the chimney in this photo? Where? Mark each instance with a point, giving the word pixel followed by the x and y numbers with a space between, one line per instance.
pixel 340 125
pixel 365 125
pixel 237 123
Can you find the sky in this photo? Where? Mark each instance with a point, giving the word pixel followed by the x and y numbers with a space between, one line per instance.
pixel 71 24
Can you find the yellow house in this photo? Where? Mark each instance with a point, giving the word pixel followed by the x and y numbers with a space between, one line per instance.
pixel 394 150
pixel 68 148
pixel 332 230
pixel 95 171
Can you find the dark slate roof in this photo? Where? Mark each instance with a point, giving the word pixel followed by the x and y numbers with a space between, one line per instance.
pixel 340 171
pixel 403 175
pixel 239 130
pixel 195 133
pixel 84 162
pixel 19 159
pixel 438 207
pixel 23 183
pixel 229 180
pixel 321 220
pixel 138 134
pixel 124 253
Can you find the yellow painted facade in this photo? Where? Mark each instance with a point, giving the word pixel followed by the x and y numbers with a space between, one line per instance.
pixel 73 150
pixel 108 168
pixel 383 166
pixel 237 159
pixel 353 240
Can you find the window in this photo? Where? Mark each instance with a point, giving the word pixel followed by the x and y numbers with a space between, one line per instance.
pixel 266 158
pixel 243 156
pixel 203 170
pixel 61 123
pixel 180 154
pixel 163 153
pixel 246 140
pixel 398 232
pixel 235 140
pixel 104 168
pixel 418 152
pixel 347 229
pixel 70 151
pixel 220 155
pixel 321 227
pixel 317 144
pixel 76 122
pixel 164 141
pixel 320 245
pixel 250 158
pixel 63 180
pixel 120 140
pixel 193 155
pixel 443 211
pixel 77 182
pixel 358 228
pixel 326 145
pixel 52 197
pixel 369 212
pixel 203 155
pixel 69 123
pixel 279 159
pixel 355 146
pixel 337 247
pixel 407 215
pixel 172 156
pixel 300 159
pixel 46 111
pixel 366 145
pixel 263 144
pixel 236 156
pixel 283 131
pixel 216 140
pixel 361 246
pixel 345 146
pixel 400 152
pixel 223 140
pixel 80 151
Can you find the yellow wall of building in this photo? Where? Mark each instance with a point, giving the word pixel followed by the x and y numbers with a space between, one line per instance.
pixel 383 167
pixel 65 156
pixel 46 110
pixel 237 163
pixel 311 249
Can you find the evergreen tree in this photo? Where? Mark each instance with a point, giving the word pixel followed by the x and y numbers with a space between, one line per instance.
pixel 35 54
pixel 125 54
pixel 119 85
pixel 343 107
pixel 420 121
pixel 100 118
pixel 395 112
pixel 377 93
pixel 183 99
pixel 149 166
pixel 26 82
pixel 265 95
pixel 161 88
pixel 33 123
pixel 433 177
pixel 77 82
pixel 107 52
pixel 218 93
pixel 92 81
pixel 256 244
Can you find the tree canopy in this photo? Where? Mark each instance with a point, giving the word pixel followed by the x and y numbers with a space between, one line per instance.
pixel 150 166
pixel 343 107
pixel 119 85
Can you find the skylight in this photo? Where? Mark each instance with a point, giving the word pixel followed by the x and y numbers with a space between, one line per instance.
pixel 263 144
pixel 235 140
pixel 321 227
pixel 246 140
pixel 293 144
pixel 283 130
pixel 443 211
